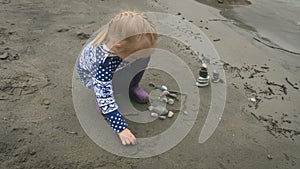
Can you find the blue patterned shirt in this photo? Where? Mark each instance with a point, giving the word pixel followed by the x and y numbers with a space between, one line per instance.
pixel 96 66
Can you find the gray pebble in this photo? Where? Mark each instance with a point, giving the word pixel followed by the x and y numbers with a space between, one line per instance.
pixel 165 100
pixel 154 115
pixel 4 56
pixel 162 117
pixel 46 102
pixel 150 108
pixel 164 88
pixel 164 93
pixel 269 157
pixel 173 95
pixel 171 101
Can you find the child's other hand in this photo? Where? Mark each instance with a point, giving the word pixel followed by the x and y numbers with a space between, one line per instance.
pixel 127 137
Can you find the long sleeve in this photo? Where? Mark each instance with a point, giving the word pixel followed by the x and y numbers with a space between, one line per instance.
pixel 107 103
pixel 96 66
pixel 84 65
pixel 103 88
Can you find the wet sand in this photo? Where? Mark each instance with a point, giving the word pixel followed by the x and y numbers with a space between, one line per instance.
pixel 40 42
pixel 221 4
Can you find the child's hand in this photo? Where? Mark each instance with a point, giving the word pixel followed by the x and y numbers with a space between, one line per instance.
pixel 127 137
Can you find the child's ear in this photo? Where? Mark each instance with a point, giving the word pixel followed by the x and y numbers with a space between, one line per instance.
pixel 117 46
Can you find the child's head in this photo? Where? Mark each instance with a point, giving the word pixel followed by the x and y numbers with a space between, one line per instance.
pixel 128 32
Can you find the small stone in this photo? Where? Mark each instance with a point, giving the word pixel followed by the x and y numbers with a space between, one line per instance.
pixel 269 157
pixel 173 95
pixel 162 117
pixel 185 112
pixel 164 93
pixel 72 132
pixel 150 108
pixel 46 102
pixel 170 114
pixel 164 88
pixel 171 101
pixel 252 99
pixel 32 152
pixel 4 56
pixel 154 115
pixel 165 100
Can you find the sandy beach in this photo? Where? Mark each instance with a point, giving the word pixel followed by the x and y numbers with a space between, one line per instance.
pixel 41 40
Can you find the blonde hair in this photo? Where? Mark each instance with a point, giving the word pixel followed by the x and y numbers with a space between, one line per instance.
pixel 131 29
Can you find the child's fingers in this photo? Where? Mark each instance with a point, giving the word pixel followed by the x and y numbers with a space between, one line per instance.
pixel 133 139
pixel 127 137
pixel 123 141
pixel 127 140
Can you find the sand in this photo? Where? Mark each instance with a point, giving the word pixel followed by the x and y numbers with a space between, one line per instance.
pixel 40 42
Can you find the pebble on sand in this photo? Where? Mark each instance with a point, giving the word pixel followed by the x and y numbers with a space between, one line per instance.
pixel 252 99
pixel 162 117
pixel 154 115
pixel 173 95
pixel 170 114
pixel 164 88
pixel 164 93
pixel 150 108
pixel 46 102
pixel 269 157
pixel 165 100
pixel 185 112
pixel 171 101
pixel 4 56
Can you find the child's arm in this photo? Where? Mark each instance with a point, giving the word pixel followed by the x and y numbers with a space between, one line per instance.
pixel 107 104
pixel 97 75
pixel 86 67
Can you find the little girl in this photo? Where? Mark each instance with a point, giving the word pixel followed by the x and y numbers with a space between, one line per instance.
pixel 127 33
